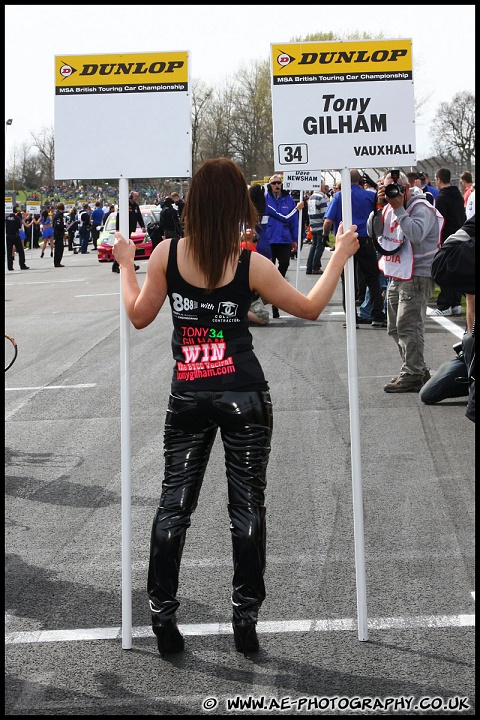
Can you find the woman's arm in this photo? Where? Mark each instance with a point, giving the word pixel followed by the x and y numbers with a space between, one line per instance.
pixel 142 305
pixel 266 279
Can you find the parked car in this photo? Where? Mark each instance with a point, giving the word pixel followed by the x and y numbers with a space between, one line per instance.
pixel 143 243
pixel 156 209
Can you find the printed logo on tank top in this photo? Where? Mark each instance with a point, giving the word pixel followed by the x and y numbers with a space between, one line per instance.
pixel 225 312
pixel 204 348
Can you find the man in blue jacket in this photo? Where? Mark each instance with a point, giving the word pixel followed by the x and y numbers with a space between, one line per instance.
pixel 97 221
pixel 363 202
pixel 283 237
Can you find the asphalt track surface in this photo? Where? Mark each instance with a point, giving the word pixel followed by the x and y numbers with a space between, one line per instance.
pixel 63 589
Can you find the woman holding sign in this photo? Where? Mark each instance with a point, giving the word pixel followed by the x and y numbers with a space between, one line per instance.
pixel 217 383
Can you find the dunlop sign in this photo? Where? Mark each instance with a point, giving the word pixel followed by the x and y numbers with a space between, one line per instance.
pixel 136 73
pixel 125 115
pixel 343 104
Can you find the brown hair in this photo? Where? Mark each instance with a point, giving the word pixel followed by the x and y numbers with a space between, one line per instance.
pixel 217 208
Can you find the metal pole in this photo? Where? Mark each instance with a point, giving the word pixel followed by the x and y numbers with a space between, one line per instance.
pixel 7 125
pixel 354 418
pixel 125 438
pixel 299 241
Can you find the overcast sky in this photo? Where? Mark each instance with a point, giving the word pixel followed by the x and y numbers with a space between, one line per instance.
pixel 219 40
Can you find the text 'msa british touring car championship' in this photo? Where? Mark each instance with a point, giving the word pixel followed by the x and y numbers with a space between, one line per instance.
pixel 343 104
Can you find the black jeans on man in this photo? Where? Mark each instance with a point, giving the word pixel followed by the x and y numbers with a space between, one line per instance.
pixel 448 297
pixel 14 241
pixel 281 254
pixel 366 259
pixel 95 235
pixel 58 249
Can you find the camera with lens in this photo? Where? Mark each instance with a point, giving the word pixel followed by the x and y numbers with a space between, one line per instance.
pixel 394 189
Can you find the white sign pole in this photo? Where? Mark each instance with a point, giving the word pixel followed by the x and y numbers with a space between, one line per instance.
pixel 349 281
pixel 125 437
pixel 299 180
pixel 299 241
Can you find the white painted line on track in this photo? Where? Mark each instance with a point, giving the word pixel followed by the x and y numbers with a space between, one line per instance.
pixel 446 323
pixel 48 282
pixel 266 627
pixel 98 295
pixel 54 387
pixel 440 319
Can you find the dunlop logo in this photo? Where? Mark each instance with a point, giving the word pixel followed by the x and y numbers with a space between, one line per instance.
pixel 133 68
pixel 355 56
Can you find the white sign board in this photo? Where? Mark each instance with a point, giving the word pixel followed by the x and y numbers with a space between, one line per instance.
pixel 122 116
pixel 8 204
pixel 343 104
pixel 302 180
pixel 33 207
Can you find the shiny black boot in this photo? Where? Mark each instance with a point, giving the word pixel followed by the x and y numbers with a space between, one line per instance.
pixel 245 637
pixel 169 638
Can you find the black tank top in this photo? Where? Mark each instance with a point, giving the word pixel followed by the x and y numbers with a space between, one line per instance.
pixel 211 343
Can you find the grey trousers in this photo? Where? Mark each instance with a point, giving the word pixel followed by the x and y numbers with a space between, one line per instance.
pixel 406 313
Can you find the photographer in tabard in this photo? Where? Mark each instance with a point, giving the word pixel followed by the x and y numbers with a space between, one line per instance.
pixel 407 229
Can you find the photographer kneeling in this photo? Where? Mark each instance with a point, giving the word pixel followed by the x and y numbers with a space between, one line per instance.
pixel 454 266
pixel 450 380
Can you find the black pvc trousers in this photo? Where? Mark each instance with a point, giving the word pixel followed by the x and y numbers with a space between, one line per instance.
pixel 245 420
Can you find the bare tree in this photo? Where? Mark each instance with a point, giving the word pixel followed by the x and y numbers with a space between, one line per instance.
pixel 252 139
pixel 217 128
pixel 454 129
pixel 44 142
pixel 201 103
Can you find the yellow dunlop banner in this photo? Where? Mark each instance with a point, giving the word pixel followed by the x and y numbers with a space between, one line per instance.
pixel 337 61
pixel 122 73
